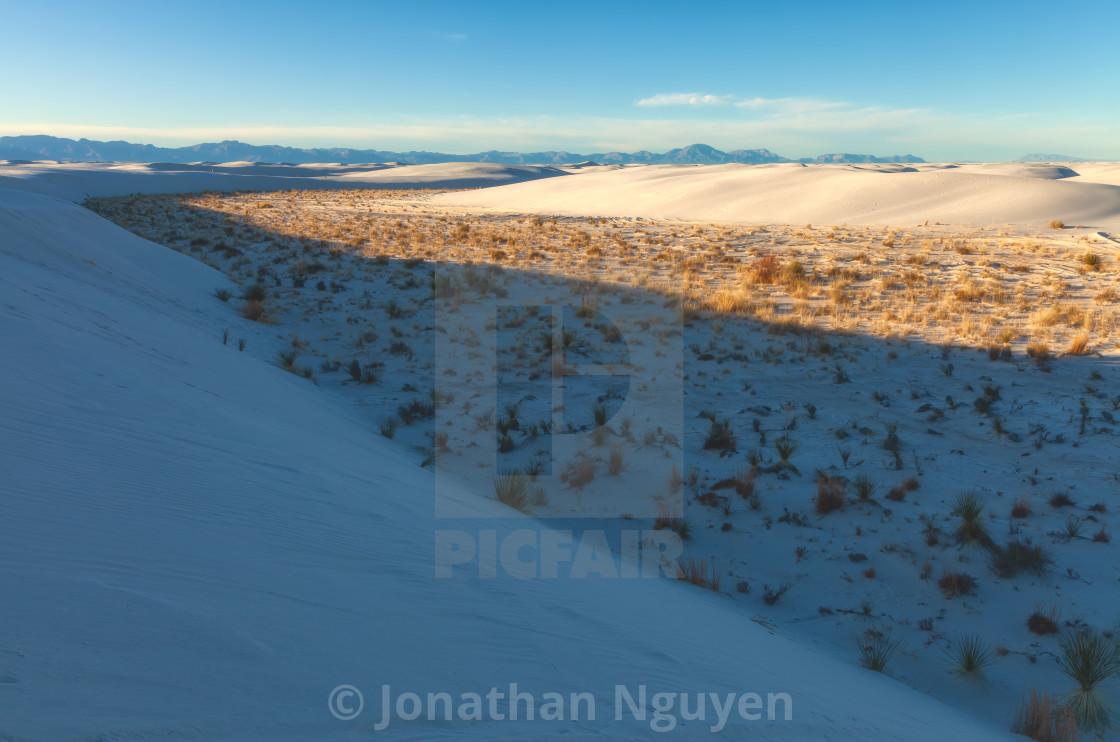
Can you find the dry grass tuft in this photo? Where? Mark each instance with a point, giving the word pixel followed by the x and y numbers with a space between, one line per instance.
pixel 1039 718
pixel 1079 346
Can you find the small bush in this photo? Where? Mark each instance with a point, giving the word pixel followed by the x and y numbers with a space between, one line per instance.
pixel 599 412
pixel 253 310
pixel 579 472
pixel 720 436
pixel 1038 352
pixel 953 583
pixel 830 495
pixel 223 294
pixel 1021 556
pixel 256 292
pixel 1057 224
pixel 1021 509
pixel 1044 621
pixel 771 595
pixel 1060 500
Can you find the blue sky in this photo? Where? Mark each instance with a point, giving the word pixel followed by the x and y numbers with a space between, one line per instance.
pixel 946 80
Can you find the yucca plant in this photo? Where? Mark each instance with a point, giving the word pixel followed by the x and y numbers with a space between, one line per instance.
pixel 876 649
pixel 512 490
pixel 286 359
pixel 968 657
pixel 969 507
pixel 864 487
pixel 1089 659
pixel 786 448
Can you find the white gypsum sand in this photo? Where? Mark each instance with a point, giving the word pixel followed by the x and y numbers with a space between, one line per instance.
pixel 961 418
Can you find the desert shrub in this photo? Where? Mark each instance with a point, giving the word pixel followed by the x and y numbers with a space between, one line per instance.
pixel 720 436
pixel 579 472
pixel 953 583
pixel 1044 620
pixel 1020 556
pixel 223 294
pixel 765 269
pixel 255 292
pixel 771 595
pixel 1021 508
pixel 1060 500
pixel 1038 352
pixel 253 310
pixel 1057 224
pixel 830 495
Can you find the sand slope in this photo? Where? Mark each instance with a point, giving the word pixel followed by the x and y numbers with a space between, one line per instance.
pixel 823 194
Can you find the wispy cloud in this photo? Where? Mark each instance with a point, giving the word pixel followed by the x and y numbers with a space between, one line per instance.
pixel 773 106
pixel 685 99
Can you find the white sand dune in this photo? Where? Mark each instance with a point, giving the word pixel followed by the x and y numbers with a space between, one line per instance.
pixel 825 194
pixel 76 181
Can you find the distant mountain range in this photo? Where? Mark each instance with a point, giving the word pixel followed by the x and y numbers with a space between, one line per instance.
pixel 86 150
pixel 1051 158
